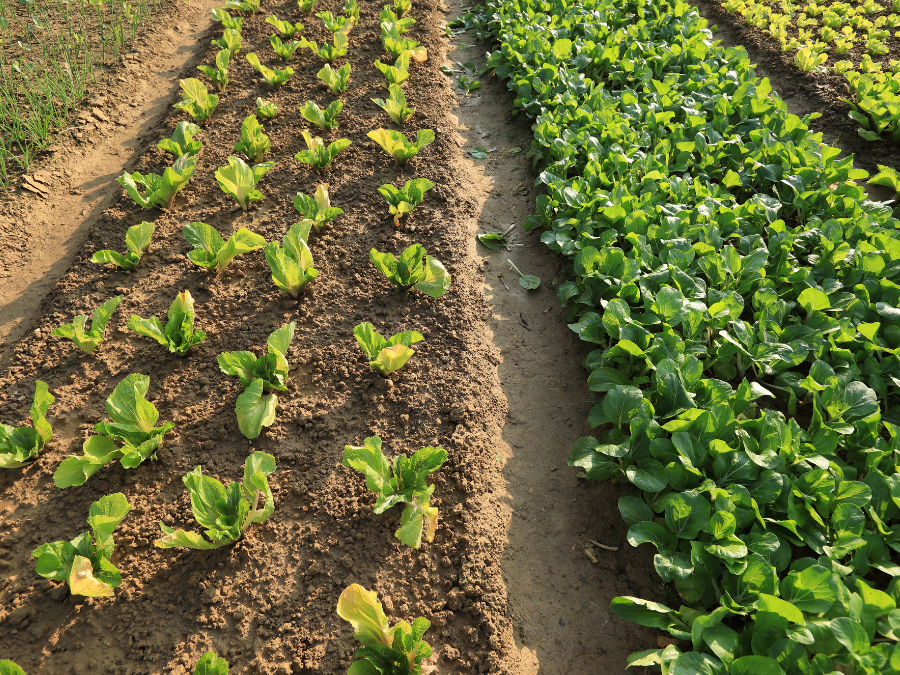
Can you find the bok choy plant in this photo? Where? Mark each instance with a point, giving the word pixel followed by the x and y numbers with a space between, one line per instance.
pixel 401 202
pixel 87 340
pixel 400 481
pixel 401 24
pixel 225 513
pixel 214 253
pixel 292 266
pixel 402 7
pixel 21 445
pixel 131 436
pixel 242 6
pixel 284 50
pixel 351 9
pixel 227 21
pixel 397 73
pixel 317 209
pixel 317 153
pixel 306 6
pixel 329 52
pixel 395 144
pixel 335 80
pixel 254 408
pixel 137 240
pixel 159 191
pixel 386 356
pixel 266 110
pixel 182 141
pixel 218 73
pixel 198 102
pixel 395 105
pixel 254 142
pixel 230 41
pixel 336 24
pixel 384 650
pixel 211 664
pixel 84 563
pixel 274 78
pixel 396 45
pixel 239 180
pixel 285 28
pixel 413 269
pixel 178 334
pixel 324 119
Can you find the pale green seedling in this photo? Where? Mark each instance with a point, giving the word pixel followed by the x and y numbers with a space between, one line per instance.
pixel 21 445
pixel 179 334
pixel 335 80
pixel 214 253
pixel 239 180
pixel 324 119
pixel 386 356
pixel 88 340
pixel 137 240
pixel 182 141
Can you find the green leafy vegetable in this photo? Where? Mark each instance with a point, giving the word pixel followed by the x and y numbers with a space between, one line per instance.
pixel 386 356
pixel 337 23
pixel 397 146
pixel 178 334
pixel 406 200
pixel 20 445
pixel 284 50
pixel 210 664
pixel 324 119
pixel 413 268
pixel 137 240
pixel 397 46
pixel 266 110
pixel 214 253
pixel 317 153
pixel 218 73
pixel 242 6
pixel 385 650
pixel 351 9
pixel 328 52
pixel 254 142
pixel 887 176
pixel 227 21
pixel 133 426
pixel 285 28
pixel 182 141
pixel 400 481
pixel 239 180
pixel 229 42
pixel 306 6
pixel 388 15
pixel 274 78
pixel 335 80
pixel 395 105
pixel 87 340
pixel 317 209
pixel 397 73
pixel 198 102
pixel 226 513
pixel 526 281
pixel 292 266
pixel 159 191
pixel 84 563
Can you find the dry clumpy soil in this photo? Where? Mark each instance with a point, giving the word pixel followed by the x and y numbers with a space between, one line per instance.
pixel 267 603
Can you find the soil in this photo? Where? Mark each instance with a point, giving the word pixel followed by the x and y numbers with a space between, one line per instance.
pixel 268 603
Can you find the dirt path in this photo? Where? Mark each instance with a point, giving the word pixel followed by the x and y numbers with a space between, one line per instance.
pixel 558 600
pixel 43 229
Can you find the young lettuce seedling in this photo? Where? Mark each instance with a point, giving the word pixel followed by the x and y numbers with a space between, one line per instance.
pixel 888 177
pixel 386 356
pixel 335 80
pixel 178 334
pixel 402 24
pixel 254 409
pixel 351 9
pixel 395 105
pixel 317 209
pixel 396 48
pixel 324 119
pixel 159 191
pixel 21 445
pixel 397 73
pixel 239 180
pixel 337 23
pixel 267 110
pixel 230 41
pixel 212 252
pixel 182 141
pixel 395 144
pixel 198 102
pixel 88 340
pixel 306 6
pixel 385 650
pixel 219 73
pixel 292 267
pixel 226 513
pixel 401 202
pixel 83 563
pixel 318 154
pixel 284 50
pixel 242 6
pixel 254 142
pixel 402 7
pixel 137 240
pixel 274 78
pixel 8 667
pixel 211 664
pixel 227 21
pixel 400 482
pixel 285 28
pixel 329 52
pixel 431 277
pixel 133 425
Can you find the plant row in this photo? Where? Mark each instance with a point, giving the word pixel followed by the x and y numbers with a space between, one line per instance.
pixel 134 433
pixel 729 270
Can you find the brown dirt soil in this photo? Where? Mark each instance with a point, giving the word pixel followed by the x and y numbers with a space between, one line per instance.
pixel 267 604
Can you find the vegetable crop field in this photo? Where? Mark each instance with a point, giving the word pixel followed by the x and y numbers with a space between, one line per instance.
pixel 306 372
